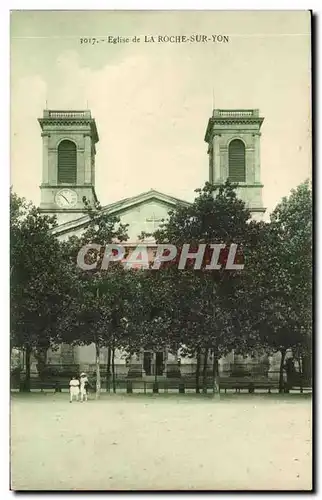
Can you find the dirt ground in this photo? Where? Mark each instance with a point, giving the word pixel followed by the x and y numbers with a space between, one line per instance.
pixel 161 442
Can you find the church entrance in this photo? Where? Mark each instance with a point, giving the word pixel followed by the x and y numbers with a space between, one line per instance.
pixel 147 362
pixel 159 363
pixel 153 363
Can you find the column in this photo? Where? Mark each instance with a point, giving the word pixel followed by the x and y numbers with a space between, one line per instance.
pixel 222 368
pixel 67 354
pixel 250 166
pixel 211 164
pixel 226 363
pixel 274 366
pixel 165 361
pixel 88 159
pixel 216 159
pixel 224 164
pixel 173 368
pixel 93 167
pixel 241 365
pixel 45 173
pixel 257 164
pixel 52 165
pixel 136 366
pixel 119 363
pixel 80 166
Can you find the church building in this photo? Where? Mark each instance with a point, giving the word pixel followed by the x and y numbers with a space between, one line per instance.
pixel 68 175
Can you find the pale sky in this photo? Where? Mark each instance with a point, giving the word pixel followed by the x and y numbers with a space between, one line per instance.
pixel 152 102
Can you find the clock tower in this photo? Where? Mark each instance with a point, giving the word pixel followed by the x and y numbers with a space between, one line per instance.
pixel 68 174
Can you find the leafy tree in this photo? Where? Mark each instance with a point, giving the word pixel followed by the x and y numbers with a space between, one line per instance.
pixel 203 313
pixel 97 306
pixel 40 284
pixel 292 220
pixel 148 318
pixel 278 286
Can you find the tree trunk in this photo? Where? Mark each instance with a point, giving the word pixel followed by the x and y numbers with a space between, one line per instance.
pixel 108 369
pixel 26 385
pixel 113 370
pixel 98 370
pixel 155 368
pixel 307 368
pixel 204 372
pixel 281 378
pixel 97 360
pixel 215 374
pixel 198 371
pixel 299 359
pixel 300 378
pixel 41 356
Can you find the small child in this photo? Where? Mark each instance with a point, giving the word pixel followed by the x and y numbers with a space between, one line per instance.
pixel 74 389
pixel 83 386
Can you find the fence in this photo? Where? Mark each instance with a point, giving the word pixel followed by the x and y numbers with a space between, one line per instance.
pixel 146 385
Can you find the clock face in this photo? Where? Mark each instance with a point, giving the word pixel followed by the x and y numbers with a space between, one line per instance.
pixel 66 198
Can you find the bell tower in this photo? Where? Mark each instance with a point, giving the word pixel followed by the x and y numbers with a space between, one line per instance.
pixel 68 173
pixel 233 138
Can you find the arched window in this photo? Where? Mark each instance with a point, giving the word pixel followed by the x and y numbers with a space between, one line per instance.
pixel 67 162
pixel 237 164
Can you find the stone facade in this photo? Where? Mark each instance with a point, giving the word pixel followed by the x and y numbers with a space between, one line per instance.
pixel 143 213
pixel 223 127
pixel 78 127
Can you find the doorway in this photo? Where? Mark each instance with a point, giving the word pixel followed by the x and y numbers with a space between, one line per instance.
pixel 147 362
pixel 153 363
pixel 159 363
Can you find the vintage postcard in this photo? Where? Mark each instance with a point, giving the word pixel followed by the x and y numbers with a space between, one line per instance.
pixel 161 250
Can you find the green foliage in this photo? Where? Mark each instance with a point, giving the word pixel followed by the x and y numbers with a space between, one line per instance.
pixel 266 306
pixel 41 281
pixel 98 306
pixel 203 311
pixel 278 287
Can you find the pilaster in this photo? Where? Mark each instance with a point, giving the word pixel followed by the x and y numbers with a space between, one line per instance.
pixel 172 366
pixel 216 157
pixel 87 159
pixel 45 166
pixel 249 158
pixel 136 366
pixel 257 157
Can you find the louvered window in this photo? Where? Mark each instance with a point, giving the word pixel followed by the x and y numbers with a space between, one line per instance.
pixel 67 163
pixel 237 164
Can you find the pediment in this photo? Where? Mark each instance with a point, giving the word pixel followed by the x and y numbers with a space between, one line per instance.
pixel 134 211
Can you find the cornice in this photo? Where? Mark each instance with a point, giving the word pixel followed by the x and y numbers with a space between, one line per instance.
pixel 223 121
pixel 71 122
pixel 242 185
pixel 66 185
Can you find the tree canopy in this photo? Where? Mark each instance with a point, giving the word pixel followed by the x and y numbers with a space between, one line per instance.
pixel 263 306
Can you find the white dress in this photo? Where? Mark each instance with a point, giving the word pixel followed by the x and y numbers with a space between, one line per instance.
pixel 83 381
pixel 74 387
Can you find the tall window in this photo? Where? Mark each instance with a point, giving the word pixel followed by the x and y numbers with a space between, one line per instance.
pixel 67 162
pixel 237 164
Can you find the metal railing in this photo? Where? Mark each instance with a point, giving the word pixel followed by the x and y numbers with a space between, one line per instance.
pixel 68 114
pixel 236 113
pixel 122 384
